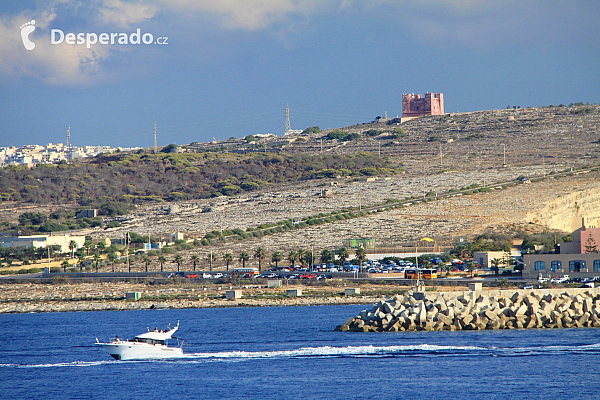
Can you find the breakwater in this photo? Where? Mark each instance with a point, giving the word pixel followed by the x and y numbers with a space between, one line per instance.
pixel 478 310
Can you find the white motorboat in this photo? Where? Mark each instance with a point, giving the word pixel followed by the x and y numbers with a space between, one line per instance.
pixel 151 344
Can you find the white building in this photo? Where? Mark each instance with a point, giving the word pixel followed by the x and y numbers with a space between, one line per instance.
pixel 37 241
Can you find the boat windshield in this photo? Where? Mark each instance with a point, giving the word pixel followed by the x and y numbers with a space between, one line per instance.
pixel 146 340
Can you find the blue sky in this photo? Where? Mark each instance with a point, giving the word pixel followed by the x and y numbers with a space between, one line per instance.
pixel 231 66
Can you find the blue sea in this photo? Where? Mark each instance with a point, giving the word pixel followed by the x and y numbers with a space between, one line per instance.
pixel 289 352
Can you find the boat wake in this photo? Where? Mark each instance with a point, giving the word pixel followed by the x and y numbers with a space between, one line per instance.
pixel 422 350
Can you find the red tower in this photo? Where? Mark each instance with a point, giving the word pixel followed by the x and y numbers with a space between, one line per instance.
pixel 417 105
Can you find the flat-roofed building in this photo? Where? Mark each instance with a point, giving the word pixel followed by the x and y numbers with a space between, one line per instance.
pixel 37 241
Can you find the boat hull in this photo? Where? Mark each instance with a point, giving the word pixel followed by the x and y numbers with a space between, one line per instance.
pixel 140 351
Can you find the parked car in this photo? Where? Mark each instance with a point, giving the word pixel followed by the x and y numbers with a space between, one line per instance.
pixel 191 276
pixel 562 279
pixel 206 275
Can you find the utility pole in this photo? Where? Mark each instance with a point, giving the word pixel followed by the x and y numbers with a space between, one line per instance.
pixel 69 142
pixel 441 156
pixel 155 149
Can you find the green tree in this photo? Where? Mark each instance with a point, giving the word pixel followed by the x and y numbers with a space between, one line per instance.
pixel 88 246
pixel 81 260
pixel 343 255
pixel 361 256
pixel 590 245
pixel 146 261
pixel 463 251
pixel 211 260
pixel 292 257
pixel 195 259
pixel 178 259
pixel 300 253
pixel 72 247
pixel 326 256
pixel 243 258
pixel 276 257
pixel 471 267
pixel 228 257
pixel 65 264
pixel 97 260
pixel 496 265
pixel 162 260
pixel 260 254
pixel 307 258
pixel 112 258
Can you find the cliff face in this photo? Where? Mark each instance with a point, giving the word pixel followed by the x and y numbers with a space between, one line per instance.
pixel 557 212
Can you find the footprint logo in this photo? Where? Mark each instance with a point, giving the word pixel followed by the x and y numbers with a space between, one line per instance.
pixel 26 29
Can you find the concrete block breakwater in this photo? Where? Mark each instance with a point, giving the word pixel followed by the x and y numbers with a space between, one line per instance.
pixel 478 310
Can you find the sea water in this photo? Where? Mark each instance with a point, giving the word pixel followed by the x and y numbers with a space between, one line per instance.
pixel 289 352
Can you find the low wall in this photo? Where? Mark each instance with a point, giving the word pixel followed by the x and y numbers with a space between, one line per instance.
pixel 478 310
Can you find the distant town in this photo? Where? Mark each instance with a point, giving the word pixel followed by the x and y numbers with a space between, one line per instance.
pixel 33 154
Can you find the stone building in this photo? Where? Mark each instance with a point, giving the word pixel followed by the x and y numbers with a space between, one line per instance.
pixel 418 105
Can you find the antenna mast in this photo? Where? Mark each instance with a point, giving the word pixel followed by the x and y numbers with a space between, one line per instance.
pixel 69 142
pixel 155 151
pixel 288 126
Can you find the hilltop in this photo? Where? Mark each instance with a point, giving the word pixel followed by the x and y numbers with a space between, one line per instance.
pixel 516 168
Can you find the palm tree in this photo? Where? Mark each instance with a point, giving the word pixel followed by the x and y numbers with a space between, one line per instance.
pixel 326 256
pixel 195 260
pixel 88 245
pixel 227 258
pixel 471 266
pixel 112 257
pixel 292 257
pixel 260 255
pixel 496 265
pixel 276 257
pixel 243 258
pixel 73 246
pixel 463 251
pixel 361 255
pixel 178 260
pixel 81 261
pixel 97 260
pixel 146 260
pixel 307 257
pixel 162 260
pixel 211 259
pixel 300 254
pixel 65 264
pixel 343 255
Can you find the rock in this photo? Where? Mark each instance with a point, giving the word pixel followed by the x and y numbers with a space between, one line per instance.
pixel 421 313
pixel 519 312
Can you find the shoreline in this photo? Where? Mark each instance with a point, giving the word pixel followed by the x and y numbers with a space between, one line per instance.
pixel 127 305
pixel 17 298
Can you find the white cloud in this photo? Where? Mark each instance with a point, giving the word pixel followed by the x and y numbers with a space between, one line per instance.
pixel 51 64
pixel 123 14
pixel 63 64
pixel 251 15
